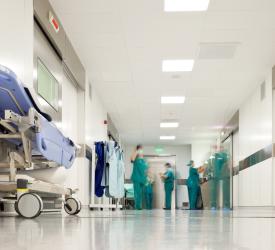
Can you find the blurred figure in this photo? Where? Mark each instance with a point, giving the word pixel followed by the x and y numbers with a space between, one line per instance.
pixel 168 179
pixel 149 189
pixel 193 185
pixel 221 173
pixel 138 177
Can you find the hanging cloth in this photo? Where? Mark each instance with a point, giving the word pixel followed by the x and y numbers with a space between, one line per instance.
pixel 120 174
pixel 105 177
pixel 99 150
pixel 113 163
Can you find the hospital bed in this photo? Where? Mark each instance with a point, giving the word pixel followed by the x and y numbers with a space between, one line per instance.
pixel 29 138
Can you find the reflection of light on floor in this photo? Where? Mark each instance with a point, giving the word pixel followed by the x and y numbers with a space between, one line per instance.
pixel 156 229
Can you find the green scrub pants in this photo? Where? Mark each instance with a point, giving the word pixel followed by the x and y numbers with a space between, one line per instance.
pixel 193 196
pixel 214 184
pixel 138 194
pixel 149 196
pixel 168 195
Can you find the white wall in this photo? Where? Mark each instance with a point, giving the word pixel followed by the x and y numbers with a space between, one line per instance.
pixel 82 119
pixel 16 50
pixel 95 130
pixel 95 114
pixel 183 156
pixel 255 133
pixel 201 152
pixel 236 164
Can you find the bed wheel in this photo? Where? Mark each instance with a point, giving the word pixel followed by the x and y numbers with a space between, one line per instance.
pixel 72 206
pixel 29 205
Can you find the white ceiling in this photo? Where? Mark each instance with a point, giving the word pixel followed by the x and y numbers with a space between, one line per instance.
pixel 122 44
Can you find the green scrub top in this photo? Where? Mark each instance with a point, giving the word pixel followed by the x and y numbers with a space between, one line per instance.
pixel 139 171
pixel 193 178
pixel 169 180
pixel 221 169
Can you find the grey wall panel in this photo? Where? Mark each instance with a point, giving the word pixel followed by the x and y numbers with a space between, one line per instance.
pixel 231 126
pixel 73 63
pixel 44 52
pixel 59 40
pixel 112 129
pixel 41 12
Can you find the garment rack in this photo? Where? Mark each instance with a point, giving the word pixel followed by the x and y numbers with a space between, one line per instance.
pixel 93 203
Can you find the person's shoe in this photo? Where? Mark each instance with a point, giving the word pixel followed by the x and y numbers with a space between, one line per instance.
pixel 166 208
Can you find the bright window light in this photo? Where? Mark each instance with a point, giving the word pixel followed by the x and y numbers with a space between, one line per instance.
pixel 172 99
pixel 167 137
pixel 185 5
pixel 169 124
pixel 177 65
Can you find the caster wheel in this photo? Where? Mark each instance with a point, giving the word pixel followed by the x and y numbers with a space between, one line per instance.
pixel 101 209
pixel 72 206
pixel 29 205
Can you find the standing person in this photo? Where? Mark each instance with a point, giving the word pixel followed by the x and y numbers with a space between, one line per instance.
pixel 221 172
pixel 149 190
pixel 138 175
pixel 193 184
pixel 168 179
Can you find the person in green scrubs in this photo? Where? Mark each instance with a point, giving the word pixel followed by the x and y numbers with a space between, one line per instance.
pixel 139 176
pixel 149 190
pixel 193 185
pixel 221 173
pixel 168 178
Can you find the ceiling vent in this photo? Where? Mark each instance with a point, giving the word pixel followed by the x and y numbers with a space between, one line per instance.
pixel 217 50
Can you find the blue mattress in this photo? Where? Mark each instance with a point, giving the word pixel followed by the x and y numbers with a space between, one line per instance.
pixel 49 141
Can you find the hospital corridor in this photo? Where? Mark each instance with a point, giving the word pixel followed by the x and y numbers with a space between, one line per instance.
pixel 137 124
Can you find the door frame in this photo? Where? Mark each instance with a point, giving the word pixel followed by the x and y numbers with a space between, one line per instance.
pixel 146 156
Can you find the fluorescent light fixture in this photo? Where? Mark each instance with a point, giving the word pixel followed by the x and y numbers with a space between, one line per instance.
pixel 185 5
pixel 169 124
pixel 177 65
pixel 172 99
pixel 167 137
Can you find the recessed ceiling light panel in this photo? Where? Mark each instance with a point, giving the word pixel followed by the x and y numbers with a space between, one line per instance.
pixel 167 137
pixel 169 124
pixel 185 5
pixel 177 65
pixel 172 99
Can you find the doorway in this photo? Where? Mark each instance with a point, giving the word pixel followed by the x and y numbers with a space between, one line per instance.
pixel 156 165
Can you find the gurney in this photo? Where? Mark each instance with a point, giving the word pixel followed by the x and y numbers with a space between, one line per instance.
pixel 16 102
pixel 29 138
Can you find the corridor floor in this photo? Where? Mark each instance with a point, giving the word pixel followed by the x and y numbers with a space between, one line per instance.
pixel 180 229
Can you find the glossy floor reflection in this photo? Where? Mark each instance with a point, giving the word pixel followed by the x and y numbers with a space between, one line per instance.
pixel 241 229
